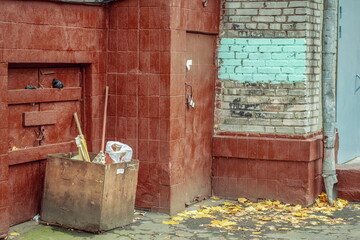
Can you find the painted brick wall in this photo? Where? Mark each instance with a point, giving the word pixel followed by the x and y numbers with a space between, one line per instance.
pixel 269 58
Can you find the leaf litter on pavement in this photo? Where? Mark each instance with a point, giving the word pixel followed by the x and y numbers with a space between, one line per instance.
pixel 258 217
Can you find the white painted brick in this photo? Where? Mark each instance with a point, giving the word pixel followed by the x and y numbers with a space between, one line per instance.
pixel 271 12
pixel 253 5
pixel 246 12
pixel 285 130
pixel 276 4
pixel 263 19
pixel 232 5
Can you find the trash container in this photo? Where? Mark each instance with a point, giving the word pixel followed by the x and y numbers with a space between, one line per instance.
pixel 88 196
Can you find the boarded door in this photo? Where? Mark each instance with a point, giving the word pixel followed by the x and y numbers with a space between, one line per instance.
pixel 199 120
pixel 40 122
pixel 348 81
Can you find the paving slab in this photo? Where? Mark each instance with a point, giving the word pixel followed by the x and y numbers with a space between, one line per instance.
pixel 149 225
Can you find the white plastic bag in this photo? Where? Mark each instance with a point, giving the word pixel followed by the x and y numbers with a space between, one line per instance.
pixel 119 152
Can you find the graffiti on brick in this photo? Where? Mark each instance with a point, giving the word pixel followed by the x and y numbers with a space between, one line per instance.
pixel 239 109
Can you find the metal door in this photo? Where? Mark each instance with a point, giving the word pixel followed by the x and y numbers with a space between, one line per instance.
pixel 348 84
pixel 40 122
pixel 200 82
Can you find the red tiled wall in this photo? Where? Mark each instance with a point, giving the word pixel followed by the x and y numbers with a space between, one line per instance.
pixel 273 168
pixel 4 164
pixel 146 59
pixel 46 32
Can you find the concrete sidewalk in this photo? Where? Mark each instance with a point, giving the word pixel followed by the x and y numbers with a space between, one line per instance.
pixel 149 225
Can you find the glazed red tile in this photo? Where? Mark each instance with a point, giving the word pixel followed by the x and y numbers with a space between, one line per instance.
pixel 143 85
pixel 133 22
pixel 132 84
pixel 144 62
pixel 132 128
pixel 154 85
pixel 143 107
pixel 143 128
pixel 131 40
pixel 154 107
pixel 154 128
pixel 143 150
pixel 132 106
pixel 121 127
pixel 155 62
pixel 132 62
pixel 155 17
pixel 154 150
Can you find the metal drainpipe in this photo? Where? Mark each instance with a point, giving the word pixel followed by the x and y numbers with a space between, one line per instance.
pixel 328 96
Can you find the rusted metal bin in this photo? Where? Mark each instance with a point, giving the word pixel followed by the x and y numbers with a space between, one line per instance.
pixel 88 196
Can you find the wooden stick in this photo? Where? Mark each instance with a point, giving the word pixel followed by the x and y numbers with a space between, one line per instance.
pixel 77 123
pixel 104 123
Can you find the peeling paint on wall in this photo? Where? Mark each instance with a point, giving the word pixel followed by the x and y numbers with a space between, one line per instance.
pixel 262 59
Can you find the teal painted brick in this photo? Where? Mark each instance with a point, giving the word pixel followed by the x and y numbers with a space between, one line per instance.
pixel 240 55
pixel 230 70
pixel 227 41
pixel 224 48
pixel 282 56
pixel 269 70
pixel 300 41
pixel 281 78
pixel 259 41
pixel 296 63
pixel 262 60
pixel 230 62
pixel 222 70
pixel 287 70
pixel 245 70
pixel 300 70
pixel 253 63
pixel 301 49
pixel 224 76
pixel 237 48
pixel 297 78
pixel 300 56
pixel 250 49
pixel 283 41
pixel 263 77
pixel 261 56
pixel 226 55
pixel 270 48
pixel 242 41
pixel 241 77
pixel 276 63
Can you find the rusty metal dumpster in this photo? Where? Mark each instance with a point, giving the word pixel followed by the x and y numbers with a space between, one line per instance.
pixel 88 196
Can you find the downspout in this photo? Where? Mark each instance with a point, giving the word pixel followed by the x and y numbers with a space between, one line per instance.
pixel 329 39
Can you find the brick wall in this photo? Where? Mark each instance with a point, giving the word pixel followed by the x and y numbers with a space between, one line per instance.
pixel 269 58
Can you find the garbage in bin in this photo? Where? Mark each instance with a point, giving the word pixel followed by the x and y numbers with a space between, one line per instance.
pixel 88 196
pixel 119 152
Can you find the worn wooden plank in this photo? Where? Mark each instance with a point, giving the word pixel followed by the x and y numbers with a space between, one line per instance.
pixel 36 153
pixel 38 118
pixel 88 196
pixel 44 95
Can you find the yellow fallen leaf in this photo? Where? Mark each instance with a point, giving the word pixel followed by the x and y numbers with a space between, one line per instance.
pixel 228 204
pixel 223 223
pixel 284 229
pixel 215 198
pixel 242 200
pixel 14 234
pixel 177 218
pixel 256 233
pixel 170 222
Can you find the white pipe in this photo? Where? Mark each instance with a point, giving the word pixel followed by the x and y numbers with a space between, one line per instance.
pixel 328 96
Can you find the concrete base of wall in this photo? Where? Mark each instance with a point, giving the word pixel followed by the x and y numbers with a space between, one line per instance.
pixel 348 181
pixel 267 168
